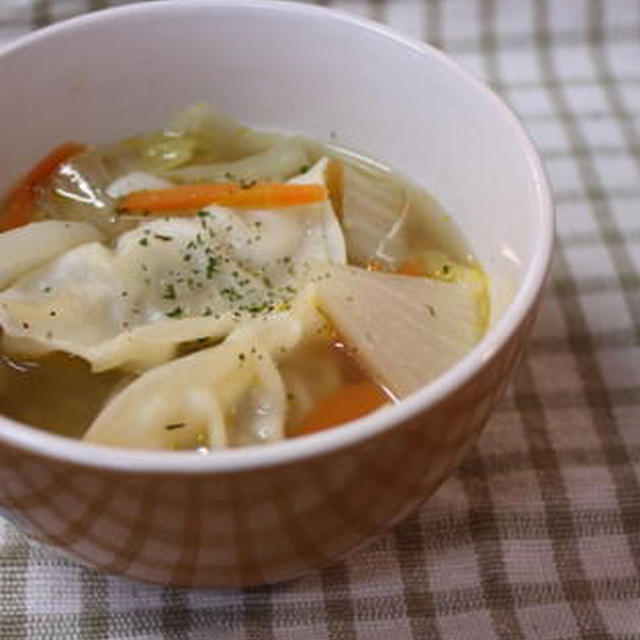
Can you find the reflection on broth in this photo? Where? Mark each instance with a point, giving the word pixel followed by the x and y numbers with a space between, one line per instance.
pixel 185 289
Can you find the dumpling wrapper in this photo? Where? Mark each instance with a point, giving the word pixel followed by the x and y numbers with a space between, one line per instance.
pixel 228 395
pixel 28 247
pixel 169 281
pixel 191 402
pixel 404 330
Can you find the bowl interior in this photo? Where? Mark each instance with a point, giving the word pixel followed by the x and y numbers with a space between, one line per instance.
pixel 294 68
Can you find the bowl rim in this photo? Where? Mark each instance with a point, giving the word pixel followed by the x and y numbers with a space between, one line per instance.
pixel 68 450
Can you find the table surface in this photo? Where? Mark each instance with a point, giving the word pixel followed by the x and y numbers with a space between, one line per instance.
pixel 537 535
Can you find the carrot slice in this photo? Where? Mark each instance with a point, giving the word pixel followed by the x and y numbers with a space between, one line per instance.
pixel 274 196
pixel 20 203
pixel 187 196
pixel 413 267
pixel 347 403
pixel 230 194
pixel 375 265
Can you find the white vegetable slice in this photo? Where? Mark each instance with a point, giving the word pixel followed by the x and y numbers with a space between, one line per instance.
pixel 280 161
pixel 217 136
pixel 405 330
pixel 80 183
pixel 373 216
pixel 78 190
pixel 28 247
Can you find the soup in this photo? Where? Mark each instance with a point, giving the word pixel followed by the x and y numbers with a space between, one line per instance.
pixel 209 286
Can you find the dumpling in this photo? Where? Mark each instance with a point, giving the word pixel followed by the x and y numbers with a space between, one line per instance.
pixel 93 295
pixel 169 281
pixel 228 395
pixel 28 247
pixel 404 330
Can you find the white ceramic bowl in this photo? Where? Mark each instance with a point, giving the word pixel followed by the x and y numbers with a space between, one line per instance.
pixel 268 513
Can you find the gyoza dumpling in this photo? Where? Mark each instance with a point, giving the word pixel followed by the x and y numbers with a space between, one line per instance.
pixel 28 247
pixel 227 395
pixel 169 281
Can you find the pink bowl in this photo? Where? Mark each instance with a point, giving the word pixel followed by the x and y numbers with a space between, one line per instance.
pixel 268 513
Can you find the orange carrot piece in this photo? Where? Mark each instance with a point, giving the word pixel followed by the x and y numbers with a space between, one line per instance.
pixel 274 196
pixel 375 265
pixel 18 210
pixel 413 267
pixel 347 403
pixel 20 203
pixel 195 196
pixel 183 197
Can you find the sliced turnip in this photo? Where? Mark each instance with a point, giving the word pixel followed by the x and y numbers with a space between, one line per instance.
pixel 374 211
pixel 404 330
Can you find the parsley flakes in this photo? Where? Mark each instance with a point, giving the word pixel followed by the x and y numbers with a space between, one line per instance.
pixel 169 292
pixel 175 425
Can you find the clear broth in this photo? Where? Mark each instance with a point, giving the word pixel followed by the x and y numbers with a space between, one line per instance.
pixel 60 394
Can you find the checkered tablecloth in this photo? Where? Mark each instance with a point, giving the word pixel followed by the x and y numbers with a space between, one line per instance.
pixel 537 535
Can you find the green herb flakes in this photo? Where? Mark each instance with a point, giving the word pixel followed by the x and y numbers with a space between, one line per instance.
pixel 169 292
pixel 176 312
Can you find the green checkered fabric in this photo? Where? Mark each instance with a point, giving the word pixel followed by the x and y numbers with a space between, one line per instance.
pixel 537 535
